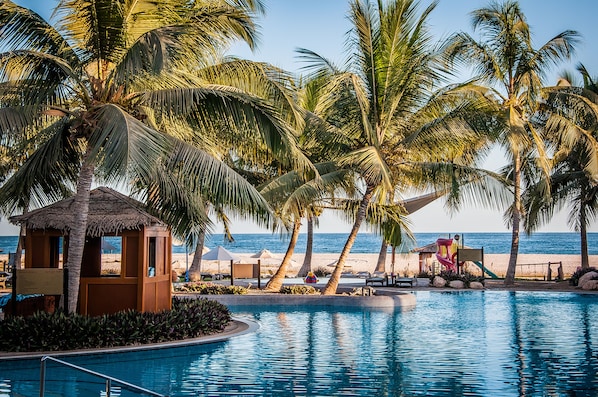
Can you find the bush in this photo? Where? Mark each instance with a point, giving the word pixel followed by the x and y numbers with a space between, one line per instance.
pixel 189 318
pixel 322 272
pixel 424 275
pixel 467 278
pixel 299 290
pixel 211 289
pixel 574 280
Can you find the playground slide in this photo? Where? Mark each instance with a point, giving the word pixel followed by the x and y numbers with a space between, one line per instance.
pixel 450 265
pixel 488 272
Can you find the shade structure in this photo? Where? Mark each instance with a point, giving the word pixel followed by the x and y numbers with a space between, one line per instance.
pixel 220 254
pixel 263 254
pixel 107 247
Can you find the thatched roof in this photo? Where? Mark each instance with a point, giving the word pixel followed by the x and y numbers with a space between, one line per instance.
pixel 110 212
pixel 426 249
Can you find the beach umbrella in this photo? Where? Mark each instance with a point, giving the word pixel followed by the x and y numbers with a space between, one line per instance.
pixel 106 246
pixel 220 254
pixel 263 254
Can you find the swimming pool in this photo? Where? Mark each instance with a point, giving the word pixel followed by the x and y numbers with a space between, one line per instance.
pixel 452 344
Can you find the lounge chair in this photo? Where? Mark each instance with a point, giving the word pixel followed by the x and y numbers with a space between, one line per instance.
pixel 403 281
pixel 377 277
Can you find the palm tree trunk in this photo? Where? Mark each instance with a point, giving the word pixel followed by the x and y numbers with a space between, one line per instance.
pixel 381 265
pixel 22 231
pixel 275 282
pixel 306 267
pixel 516 220
pixel 583 236
pixel 195 269
pixel 78 232
pixel 332 284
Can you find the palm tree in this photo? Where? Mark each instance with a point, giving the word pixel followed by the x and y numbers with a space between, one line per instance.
pixel 505 59
pixel 385 105
pixel 295 198
pixel 572 125
pixel 121 83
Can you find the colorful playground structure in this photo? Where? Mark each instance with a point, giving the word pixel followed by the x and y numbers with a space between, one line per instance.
pixel 452 257
pixel 446 254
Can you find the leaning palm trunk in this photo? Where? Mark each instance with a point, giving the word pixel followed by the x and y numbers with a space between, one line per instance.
pixel 195 269
pixel 306 267
pixel 275 282
pixel 78 233
pixel 332 284
pixel 516 219
pixel 381 265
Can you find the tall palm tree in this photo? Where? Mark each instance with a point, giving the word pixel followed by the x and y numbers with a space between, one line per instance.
pixel 572 126
pixel 385 104
pixel 122 82
pixel 505 59
pixel 295 198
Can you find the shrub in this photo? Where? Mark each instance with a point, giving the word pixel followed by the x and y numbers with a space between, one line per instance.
pixel 211 289
pixel 574 280
pixel 321 272
pixel 467 278
pixel 424 274
pixel 299 290
pixel 189 318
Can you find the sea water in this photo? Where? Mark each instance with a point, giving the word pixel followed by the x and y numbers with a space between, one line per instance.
pixel 493 243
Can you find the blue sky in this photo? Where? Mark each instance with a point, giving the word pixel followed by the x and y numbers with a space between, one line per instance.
pixel 320 25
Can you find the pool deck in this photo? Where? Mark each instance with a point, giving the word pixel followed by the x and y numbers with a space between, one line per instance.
pixel 386 299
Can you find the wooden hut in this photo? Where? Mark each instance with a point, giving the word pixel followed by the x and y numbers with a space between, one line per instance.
pixel 143 281
pixel 427 258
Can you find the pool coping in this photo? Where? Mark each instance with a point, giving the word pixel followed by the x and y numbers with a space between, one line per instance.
pixel 382 300
pixel 237 327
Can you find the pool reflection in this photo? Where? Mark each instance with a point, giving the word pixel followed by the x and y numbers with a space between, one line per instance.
pixel 465 343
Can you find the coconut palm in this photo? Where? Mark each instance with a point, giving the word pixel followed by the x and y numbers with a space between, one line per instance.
pixel 505 59
pixel 384 103
pixel 295 198
pixel 572 127
pixel 121 83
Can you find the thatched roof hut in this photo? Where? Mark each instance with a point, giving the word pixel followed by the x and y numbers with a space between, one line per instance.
pixel 110 212
pixel 143 281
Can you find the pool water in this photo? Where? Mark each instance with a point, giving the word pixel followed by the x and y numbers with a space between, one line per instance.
pixel 451 344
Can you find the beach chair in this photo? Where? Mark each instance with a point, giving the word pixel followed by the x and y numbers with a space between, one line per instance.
pixel 377 277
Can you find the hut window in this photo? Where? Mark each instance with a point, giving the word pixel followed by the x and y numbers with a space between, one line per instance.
pixel 151 260
pixel 111 253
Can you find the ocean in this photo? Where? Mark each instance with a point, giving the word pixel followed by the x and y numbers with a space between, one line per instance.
pixel 493 243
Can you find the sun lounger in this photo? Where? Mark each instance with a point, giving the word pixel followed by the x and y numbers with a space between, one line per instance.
pixel 380 278
pixel 404 281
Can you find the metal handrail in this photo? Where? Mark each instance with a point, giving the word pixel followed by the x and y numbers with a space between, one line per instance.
pixel 108 379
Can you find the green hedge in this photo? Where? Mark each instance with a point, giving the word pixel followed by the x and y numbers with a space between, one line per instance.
pixel 189 318
pixel 211 289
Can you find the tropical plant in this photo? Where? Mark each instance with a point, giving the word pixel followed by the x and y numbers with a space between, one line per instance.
pixel 295 198
pixel 124 89
pixel 189 318
pixel 505 59
pixel 571 117
pixel 399 130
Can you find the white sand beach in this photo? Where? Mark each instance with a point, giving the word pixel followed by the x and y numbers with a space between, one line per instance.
pixel 529 265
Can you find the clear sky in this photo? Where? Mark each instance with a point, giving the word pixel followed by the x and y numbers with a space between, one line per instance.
pixel 320 25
